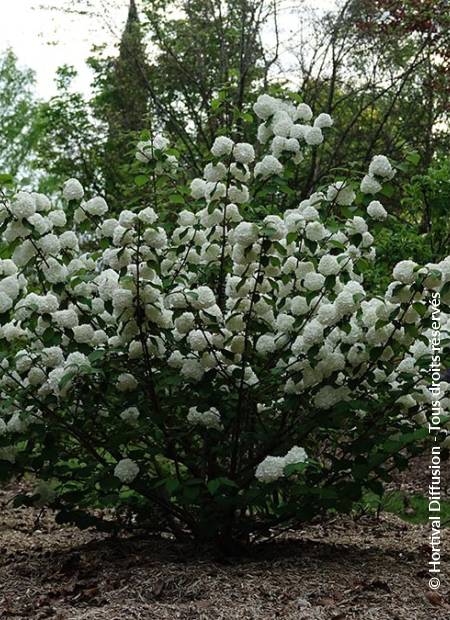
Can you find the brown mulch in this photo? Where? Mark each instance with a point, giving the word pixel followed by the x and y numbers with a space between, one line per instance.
pixel 416 478
pixel 341 570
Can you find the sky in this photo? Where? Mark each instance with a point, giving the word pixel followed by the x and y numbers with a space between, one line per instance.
pixel 44 39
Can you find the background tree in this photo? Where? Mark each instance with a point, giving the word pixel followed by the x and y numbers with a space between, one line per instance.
pixel 70 139
pixel 389 88
pixel 17 108
pixel 121 101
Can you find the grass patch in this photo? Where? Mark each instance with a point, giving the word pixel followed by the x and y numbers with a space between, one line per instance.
pixel 410 508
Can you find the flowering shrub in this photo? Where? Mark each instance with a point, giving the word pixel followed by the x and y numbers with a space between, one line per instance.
pixel 222 377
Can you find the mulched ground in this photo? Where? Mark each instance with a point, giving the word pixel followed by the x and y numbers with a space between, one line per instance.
pixel 342 570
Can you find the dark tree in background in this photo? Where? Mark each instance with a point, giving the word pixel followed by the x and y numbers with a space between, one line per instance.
pixel 207 51
pixel 123 102
pixel 381 70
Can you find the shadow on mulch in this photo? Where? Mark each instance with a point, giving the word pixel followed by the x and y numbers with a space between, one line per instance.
pixel 334 570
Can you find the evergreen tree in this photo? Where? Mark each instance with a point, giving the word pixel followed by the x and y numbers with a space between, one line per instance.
pixel 122 102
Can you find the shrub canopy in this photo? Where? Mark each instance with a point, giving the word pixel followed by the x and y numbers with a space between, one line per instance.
pixel 224 375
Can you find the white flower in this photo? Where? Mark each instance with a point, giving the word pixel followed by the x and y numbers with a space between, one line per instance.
pixel 131 414
pixel 315 231
pixel 54 271
pixel 265 106
pixel 83 333
pixel 222 146
pixel 126 470
pixel 263 133
pixel 192 369
pixel 197 340
pixel 73 190
pixel 268 166
pixel 126 382
pixel 23 361
pixel 215 191
pixel 198 188
pixel 376 210
pixel 96 206
pixel 36 376
pixel 145 149
pixel 122 299
pixel 185 322
pixel 77 359
pixel 49 244
pixel 214 173
pixel 10 286
pixel 57 217
pixel 345 303
pixel 41 224
pixel 282 125
pixel 329 265
pixel 7 267
pixel 299 305
pixel 69 240
pixel 52 356
pixel 238 195
pixel 304 112
pixel 204 298
pixel 127 218
pixel 323 120
pixel 404 271
pixel 313 281
pixel 23 205
pixel 327 314
pixel 270 469
pixel 285 323
pixel 312 333
pixel 186 218
pixel 293 146
pixel 357 225
pixel 369 185
pixel 329 396
pixel 244 153
pixel 313 136
pixel 246 233
pixel 160 142
pixel 207 419
pixel 381 166
pixel 295 455
pixel 265 344
pixel 43 204
pixel 341 193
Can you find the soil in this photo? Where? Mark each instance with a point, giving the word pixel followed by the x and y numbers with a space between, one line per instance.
pixel 340 569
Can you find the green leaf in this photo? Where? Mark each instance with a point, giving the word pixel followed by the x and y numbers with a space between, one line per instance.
pixel 176 199
pixel 141 179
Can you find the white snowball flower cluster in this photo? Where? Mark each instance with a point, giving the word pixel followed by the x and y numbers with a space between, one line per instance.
pixel 207 419
pixel 272 467
pixel 154 150
pixel 341 192
pixel 280 125
pixel 73 190
pixel 380 170
pixel 130 414
pixel 405 270
pixel 380 166
pixel 126 470
pixel 222 146
pixel 145 150
pixel 376 210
